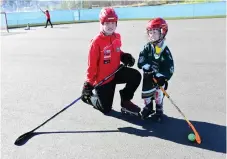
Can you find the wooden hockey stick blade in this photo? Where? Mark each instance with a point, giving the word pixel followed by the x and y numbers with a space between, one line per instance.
pixel 197 137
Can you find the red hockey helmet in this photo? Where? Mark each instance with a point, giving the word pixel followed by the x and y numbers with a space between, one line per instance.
pixel 108 15
pixel 161 25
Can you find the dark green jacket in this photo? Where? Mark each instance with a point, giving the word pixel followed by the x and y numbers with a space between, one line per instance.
pixel 162 63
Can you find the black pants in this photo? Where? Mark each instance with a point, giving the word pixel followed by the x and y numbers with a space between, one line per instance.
pixel 105 93
pixel 48 20
pixel 149 86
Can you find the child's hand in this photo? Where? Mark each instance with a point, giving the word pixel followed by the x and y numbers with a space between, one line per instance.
pixel 147 68
pixel 161 80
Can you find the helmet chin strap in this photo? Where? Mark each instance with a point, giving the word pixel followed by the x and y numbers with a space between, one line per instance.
pixel 158 42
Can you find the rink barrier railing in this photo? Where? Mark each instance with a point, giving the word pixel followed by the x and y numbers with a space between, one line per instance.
pixel 174 11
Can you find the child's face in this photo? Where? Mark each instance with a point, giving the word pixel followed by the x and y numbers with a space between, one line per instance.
pixel 109 27
pixel 154 35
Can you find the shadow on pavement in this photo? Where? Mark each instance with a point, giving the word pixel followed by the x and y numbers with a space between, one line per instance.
pixel 172 129
pixel 176 130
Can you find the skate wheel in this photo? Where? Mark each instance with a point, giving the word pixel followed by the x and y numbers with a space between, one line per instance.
pixel 122 111
pixel 139 115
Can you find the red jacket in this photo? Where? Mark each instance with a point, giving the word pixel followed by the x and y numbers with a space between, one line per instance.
pixel 104 57
pixel 47 15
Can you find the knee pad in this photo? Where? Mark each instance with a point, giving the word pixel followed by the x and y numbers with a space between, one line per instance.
pixel 147 101
pixel 86 99
pixel 159 97
pixel 94 100
pixel 98 105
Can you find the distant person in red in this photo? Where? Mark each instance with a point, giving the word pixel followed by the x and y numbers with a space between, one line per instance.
pixel 48 18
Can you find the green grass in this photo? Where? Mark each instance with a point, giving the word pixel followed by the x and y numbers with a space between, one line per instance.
pixel 85 21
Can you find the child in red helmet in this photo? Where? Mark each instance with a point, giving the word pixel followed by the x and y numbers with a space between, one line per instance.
pixel 104 58
pixel 157 62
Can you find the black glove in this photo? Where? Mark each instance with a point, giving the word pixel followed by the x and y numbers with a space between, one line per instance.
pixel 127 59
pixel 87 90
pixel 161 80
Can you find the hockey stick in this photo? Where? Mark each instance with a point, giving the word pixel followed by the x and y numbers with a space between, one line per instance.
pixel 39 8
pixel 197 137
pixel 25 137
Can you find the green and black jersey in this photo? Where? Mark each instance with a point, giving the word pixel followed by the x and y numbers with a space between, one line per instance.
pixel 160 59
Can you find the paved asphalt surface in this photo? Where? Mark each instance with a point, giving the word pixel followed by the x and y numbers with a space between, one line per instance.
pixel 42 71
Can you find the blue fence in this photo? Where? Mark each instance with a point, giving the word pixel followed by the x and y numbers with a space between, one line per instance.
pixel 166 11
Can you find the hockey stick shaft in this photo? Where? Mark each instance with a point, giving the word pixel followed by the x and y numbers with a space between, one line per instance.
pixel 106 78
pixel 197 136
pixel 26 136
pixel 40 8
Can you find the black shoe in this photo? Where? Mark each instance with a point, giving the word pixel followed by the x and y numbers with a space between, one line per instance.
pixel 127 105
pixel 130 106
pixel 147 110
pixel 159 113
pixel 157 117
pixel 159 109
